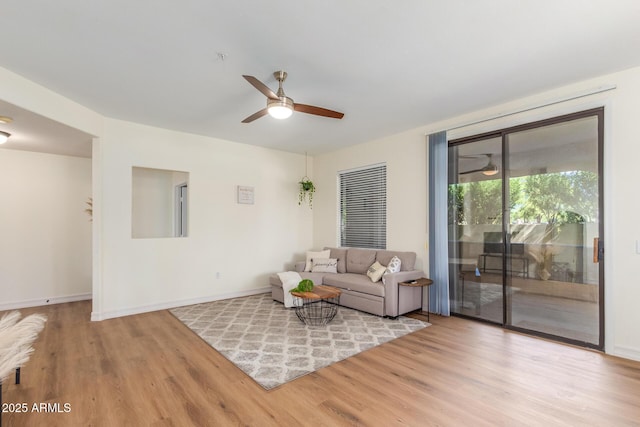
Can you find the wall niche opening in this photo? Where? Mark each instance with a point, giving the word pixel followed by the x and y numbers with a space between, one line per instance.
pixel 159 203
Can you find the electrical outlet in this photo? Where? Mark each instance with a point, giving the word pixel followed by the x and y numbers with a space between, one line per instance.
pixel 217 275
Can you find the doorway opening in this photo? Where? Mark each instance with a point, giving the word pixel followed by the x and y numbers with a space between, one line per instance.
pixel 181 206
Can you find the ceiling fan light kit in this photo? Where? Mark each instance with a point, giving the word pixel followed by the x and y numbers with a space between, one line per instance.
pixel 4 136
pixel 489 170
pixel 280 106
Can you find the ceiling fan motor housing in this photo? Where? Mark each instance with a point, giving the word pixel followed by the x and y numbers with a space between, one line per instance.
pixel 284 101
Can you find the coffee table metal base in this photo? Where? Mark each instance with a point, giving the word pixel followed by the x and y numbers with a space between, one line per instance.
pixel 317 312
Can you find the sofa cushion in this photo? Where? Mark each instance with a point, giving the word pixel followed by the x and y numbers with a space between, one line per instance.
pixel 394 265
pixel 354 282
pixel 324 265
pixel 408 259
pixel 376 271
pixel 359 260
pixel 311 255
pixel 341 255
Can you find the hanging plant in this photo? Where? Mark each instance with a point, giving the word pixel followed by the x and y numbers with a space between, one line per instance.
pixel 306 187
pixel 306 191
pixel 89 209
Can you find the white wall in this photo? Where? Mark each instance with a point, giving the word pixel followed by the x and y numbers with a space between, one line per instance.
pixel 405 155
pixel 243 243
pixel 45 255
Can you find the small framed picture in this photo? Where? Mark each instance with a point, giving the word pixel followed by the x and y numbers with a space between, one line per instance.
pixel 245 195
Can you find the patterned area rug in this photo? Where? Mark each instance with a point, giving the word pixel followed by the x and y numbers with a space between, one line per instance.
pixel 270 344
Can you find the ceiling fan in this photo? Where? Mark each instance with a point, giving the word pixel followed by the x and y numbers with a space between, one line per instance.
pixel 489 170
pixel 281 106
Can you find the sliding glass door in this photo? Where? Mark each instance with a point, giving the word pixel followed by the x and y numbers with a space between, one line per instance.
pixel 525 228
pixel 475 229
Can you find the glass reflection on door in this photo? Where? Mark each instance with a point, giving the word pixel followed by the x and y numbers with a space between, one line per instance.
pixel 475 229
pixel 553 176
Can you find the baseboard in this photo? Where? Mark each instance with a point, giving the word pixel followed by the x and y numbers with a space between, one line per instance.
pixel 626 352
pixel 173 304
pixel 44 301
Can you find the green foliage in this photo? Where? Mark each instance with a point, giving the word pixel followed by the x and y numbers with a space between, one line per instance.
pixel 485 205
pixel 456 204
pixel 568 217
pixel 559 198
pixel 480 202
pixel 306 190
pixel 552 198
pixel 305 285
pixel 307 186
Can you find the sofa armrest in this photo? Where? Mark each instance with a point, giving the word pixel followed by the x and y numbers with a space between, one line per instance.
pixel 391 281
pixel 300 265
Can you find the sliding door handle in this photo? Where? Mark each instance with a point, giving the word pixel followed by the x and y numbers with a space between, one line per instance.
pixel 598 250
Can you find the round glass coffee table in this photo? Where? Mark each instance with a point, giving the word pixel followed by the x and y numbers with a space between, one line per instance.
pixel 319 306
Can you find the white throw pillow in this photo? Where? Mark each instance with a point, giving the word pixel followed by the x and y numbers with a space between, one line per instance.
pixel 324 265
pixel 376 271
pixel 394 265
pixel 311 255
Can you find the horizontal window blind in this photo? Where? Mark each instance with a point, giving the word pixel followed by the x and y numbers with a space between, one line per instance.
pixel 363 207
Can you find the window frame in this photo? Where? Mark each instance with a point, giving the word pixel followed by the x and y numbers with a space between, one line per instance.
pixel 373 233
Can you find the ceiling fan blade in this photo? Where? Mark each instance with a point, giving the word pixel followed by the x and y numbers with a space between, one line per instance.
pixel 261 87
pixel 318 111
pixel 472 156
pixel 489 167
pixel 471 171
pixel 256 116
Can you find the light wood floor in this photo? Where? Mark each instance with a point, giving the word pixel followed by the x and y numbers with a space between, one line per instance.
pixel 150 370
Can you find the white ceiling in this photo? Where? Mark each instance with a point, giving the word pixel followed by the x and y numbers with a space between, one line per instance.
pixel 32 132
pixel 561 147
pixel 389 66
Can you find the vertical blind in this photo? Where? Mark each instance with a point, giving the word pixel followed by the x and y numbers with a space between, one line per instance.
pixel 438 223
pixel 363 207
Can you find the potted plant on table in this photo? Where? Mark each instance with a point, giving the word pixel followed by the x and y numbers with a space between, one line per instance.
pixel 305 285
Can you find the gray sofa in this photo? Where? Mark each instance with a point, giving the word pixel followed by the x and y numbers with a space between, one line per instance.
pixel 358 291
